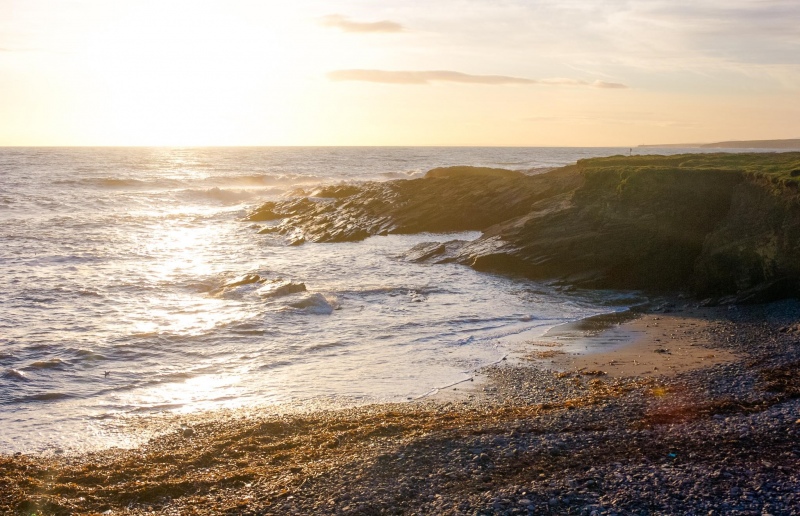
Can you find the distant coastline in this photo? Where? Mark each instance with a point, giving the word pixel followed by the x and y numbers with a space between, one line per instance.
pixel 733 144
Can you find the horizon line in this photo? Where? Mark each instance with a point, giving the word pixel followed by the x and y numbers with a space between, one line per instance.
pixel 300 146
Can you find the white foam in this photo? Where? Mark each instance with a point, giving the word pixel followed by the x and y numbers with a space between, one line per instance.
pixel 316 304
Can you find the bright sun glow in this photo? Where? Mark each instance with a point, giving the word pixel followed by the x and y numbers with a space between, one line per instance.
pixel 178 252
pixel 314 72
pixel 192 75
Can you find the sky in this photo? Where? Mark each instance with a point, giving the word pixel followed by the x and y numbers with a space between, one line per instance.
pixel 398 72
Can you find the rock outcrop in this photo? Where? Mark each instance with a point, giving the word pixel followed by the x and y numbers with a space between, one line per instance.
pixel 714 224
pixel 440 202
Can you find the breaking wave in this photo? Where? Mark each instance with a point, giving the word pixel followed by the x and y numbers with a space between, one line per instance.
pixel 316 304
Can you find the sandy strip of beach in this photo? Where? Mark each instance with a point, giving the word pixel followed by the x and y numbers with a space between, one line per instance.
pixel 627 344
pixel 650 344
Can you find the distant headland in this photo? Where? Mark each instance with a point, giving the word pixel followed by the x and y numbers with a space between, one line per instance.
pixel 734 144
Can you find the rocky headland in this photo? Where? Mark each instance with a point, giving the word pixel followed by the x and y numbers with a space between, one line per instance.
pixel 722 226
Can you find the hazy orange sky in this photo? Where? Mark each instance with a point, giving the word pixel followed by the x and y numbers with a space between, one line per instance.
pixel 397 72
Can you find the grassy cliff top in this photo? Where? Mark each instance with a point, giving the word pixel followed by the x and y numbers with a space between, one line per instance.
pixel 780 170
pixel 467 171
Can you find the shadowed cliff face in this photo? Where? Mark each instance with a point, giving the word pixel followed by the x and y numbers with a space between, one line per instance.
pixel 641 231
pixel 756 245
pixel 715 225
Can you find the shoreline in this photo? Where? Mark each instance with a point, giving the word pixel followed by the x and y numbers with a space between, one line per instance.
pixel 530 440
pixel 633 342
pixel 644 343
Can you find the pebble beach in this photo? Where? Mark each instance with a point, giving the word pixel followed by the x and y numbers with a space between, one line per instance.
pixel 707 422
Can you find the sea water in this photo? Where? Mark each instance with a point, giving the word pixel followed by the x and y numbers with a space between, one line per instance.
pixel 112 263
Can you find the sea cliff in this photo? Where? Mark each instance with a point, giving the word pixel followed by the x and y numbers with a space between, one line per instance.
pixel 721 226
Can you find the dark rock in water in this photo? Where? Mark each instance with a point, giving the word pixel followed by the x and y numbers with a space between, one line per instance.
pixel 268 230
pixel 247 279
pixel 424 251
pixel 435 252
pixel 278 210
pixel 281 288
pixel 263 214
pixel 725 226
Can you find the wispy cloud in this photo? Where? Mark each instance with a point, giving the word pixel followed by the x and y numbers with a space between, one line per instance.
pixel 609 85
pixel 427 77
pixel 422 77
pixel 337 21
pixel 712 45
pixel 563 81
pixel 576 82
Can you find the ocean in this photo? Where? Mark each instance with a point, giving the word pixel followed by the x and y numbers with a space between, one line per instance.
pixel 112 268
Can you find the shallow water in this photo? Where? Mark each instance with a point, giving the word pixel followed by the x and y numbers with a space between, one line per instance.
pixel 113 265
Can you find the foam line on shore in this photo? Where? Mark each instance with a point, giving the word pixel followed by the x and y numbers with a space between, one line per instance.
pixel 437 390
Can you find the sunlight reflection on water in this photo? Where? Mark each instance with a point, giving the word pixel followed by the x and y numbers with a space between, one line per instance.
pixel 117 260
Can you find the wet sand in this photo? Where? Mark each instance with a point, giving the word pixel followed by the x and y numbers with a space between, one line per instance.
pixel 647 344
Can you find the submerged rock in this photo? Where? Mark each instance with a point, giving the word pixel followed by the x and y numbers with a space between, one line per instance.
pixel 247 279
pixel 435 252
pixel 280 288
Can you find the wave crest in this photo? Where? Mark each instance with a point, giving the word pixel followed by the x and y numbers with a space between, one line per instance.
pixel 14 374
pixel 317 304
pixel 53 363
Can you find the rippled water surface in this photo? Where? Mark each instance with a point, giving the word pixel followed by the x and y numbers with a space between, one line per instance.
pixel 113 266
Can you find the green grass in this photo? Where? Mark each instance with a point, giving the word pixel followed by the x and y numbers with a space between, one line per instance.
pixel 779 170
